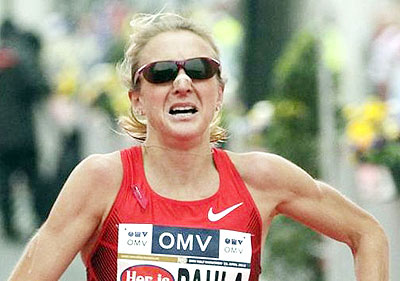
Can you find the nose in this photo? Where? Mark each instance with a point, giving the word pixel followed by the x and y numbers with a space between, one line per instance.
pixel 182 83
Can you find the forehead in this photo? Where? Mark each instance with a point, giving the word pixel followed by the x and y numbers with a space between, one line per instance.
pixel 175 45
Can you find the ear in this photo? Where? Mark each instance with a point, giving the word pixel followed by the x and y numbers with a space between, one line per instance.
pixel 136 101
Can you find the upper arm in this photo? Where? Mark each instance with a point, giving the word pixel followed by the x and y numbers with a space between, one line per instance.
pixel 282 187
pixel 73 219
pixel 324 209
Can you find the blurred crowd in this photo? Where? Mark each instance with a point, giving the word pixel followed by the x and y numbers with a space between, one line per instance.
pixel 22 85
pixel 41 109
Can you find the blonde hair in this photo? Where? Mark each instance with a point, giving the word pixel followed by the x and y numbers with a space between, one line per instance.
pixel 144 28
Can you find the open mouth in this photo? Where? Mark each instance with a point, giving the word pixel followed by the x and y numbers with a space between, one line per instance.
pixel 183 110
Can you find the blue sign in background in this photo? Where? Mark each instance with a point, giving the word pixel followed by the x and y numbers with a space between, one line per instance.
pixel 185 241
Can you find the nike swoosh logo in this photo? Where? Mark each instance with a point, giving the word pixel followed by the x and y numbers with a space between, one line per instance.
pixel 217 216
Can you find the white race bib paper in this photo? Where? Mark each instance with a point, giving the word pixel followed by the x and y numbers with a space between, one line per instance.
pixel 149 252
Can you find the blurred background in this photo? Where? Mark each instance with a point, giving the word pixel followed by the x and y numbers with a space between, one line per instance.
pixel 317 82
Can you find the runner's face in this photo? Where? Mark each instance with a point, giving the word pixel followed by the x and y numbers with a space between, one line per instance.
pixel 183 108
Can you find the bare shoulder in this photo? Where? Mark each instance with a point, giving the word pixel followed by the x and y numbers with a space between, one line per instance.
pixel 272 173
pixel 100 168
pixel 101 173
pixel 90 187
pixel 97 171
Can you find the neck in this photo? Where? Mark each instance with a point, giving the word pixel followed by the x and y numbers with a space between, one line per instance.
pixel 179 160
pixel 180 173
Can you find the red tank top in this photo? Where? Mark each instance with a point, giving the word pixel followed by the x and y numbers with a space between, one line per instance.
pixel 232 209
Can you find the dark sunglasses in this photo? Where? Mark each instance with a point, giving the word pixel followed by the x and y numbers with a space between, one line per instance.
pixel 166 71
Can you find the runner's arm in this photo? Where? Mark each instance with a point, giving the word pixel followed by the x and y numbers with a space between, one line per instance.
pixel 321 207
pixel 72 221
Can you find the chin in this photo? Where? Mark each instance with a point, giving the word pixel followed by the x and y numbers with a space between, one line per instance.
pixel 188 134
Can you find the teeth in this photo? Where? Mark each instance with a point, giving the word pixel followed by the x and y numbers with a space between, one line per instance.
pixel 187 110
pixel 183 108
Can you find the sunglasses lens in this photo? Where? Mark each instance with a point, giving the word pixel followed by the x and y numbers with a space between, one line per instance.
pixel 161 72
pixel 165 71
pixel 201 68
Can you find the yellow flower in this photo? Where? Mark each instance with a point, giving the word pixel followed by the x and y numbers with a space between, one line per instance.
pixel 375 111
pixel 361 133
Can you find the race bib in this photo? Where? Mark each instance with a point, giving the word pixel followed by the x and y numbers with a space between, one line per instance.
pixel 149 252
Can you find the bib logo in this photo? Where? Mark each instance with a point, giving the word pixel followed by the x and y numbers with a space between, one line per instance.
pixel 185 241
pixel 234 246
pixel 146 273
pixel 137 239
pixel 137 234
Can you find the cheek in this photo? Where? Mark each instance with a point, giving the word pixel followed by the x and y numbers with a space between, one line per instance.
pixel 213 96
pixel 153 98
pixel 152 108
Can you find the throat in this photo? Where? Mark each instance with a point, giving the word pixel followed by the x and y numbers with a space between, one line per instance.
pixel 185 177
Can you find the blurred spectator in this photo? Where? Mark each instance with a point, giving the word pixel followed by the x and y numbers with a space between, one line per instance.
pixel 22 85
